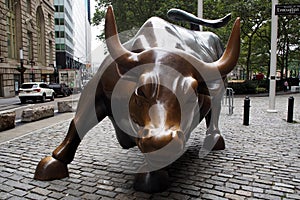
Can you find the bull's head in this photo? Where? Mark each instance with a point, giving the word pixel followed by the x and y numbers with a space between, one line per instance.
pixel 164 106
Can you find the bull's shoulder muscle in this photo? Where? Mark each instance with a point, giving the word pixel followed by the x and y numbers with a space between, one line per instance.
pixel 156 32
pixel 208 46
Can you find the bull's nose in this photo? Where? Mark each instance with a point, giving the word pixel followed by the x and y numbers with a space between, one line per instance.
pixel 151 140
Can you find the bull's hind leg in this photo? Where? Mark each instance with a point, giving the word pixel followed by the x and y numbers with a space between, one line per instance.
pixel 214 140
pixel 89 113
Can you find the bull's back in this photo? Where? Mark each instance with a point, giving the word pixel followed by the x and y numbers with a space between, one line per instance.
pixel 157 32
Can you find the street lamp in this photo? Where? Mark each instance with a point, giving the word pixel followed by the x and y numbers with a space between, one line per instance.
pixel 32 74
pixel 200 11
pixel 22 68
pixel 273 61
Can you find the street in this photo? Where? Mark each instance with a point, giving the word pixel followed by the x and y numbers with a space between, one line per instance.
pixel 9 103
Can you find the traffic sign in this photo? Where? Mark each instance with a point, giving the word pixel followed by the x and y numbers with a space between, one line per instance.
pixel 288 9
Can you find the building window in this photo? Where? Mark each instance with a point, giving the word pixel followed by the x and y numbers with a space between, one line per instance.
pixel 28 6
pixel 41 47
pixel 60 47
pixel 9 4
pixel 59 21
pixel 59 8
pixel 30 45
pixel 11 29
pixel 59 34
pixel 49 20
pixel 31 77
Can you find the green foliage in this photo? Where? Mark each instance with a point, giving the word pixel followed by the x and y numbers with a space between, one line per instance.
pixel 131 14
pixel 288 43
pixel 255 26
pixel 245 87
pixel 260 90
pixel 250 86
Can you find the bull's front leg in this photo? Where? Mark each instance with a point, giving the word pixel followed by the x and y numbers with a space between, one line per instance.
pixel 55 166
pixel 89 113
pixel 214 140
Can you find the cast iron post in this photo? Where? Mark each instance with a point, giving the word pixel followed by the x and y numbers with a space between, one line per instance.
pixel 290 109
pixel 246 111
pixel 22 69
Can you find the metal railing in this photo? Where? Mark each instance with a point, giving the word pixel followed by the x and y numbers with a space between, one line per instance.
pixel 228 100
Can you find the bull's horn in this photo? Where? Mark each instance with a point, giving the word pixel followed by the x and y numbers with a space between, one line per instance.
pixel 117 51
pixel 230 57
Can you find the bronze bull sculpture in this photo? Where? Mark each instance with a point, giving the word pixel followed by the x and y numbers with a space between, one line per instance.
pixel 155 89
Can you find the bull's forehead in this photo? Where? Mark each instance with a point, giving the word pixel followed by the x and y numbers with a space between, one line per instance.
pixel 157 81
pixel 172 99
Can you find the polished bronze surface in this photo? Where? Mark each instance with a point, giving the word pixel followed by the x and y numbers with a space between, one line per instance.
pixel 171 78
pixel 50 168
pixel 181 15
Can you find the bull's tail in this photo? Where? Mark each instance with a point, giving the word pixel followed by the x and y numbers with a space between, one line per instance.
pixel 181 15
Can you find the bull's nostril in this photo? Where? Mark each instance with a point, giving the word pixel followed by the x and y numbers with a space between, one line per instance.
pixel 145 133
pixel 180 135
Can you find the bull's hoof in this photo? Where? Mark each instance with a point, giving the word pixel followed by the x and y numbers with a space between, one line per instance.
pixel 151 182
pixel 214 142
pixel 50 168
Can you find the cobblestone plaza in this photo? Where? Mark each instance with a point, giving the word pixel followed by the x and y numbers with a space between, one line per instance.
pixel 261 161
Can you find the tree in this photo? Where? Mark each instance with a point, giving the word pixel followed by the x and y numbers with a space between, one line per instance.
pixel 288 44
pixel 255 22
pixel 255 26
pixel 131 14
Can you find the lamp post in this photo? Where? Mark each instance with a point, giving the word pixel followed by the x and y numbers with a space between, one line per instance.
pixel 32 74
pixel 272 87
pixel 22 69
pixel 200 11
pixel 55 74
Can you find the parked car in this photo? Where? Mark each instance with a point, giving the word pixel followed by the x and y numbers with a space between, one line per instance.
pixel 35 91
pixel 60 89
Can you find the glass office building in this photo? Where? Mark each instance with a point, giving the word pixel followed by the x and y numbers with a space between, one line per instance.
pixel 72 34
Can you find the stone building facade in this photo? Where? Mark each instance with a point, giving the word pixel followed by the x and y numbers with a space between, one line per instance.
pixel 27 37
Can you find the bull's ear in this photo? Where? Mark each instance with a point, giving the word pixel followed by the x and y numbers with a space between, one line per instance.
pixel 124 58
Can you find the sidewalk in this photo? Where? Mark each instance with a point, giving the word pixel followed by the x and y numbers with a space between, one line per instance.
pixel 261 161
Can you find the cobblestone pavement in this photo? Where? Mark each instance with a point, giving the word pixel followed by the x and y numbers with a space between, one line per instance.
pixel 261 161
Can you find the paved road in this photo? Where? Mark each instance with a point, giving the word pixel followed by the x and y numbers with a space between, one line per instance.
pixel 261 161
pixel 9 103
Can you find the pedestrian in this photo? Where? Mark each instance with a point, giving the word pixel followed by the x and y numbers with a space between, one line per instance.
pixel 286 84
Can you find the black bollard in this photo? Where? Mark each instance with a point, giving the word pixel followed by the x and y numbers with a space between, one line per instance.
pixel 290 110
pixel 246 111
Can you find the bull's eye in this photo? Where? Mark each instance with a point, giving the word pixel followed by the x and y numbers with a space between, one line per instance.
pixel 139 92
